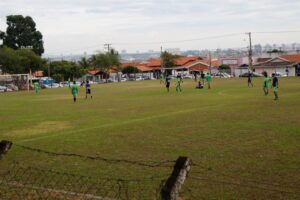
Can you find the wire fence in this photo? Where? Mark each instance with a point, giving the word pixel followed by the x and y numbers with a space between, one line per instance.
pixel 27 182
pixel 30 183
pixel 34 183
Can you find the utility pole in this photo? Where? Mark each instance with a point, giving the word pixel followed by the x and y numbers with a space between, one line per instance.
pixel 209 63
pixel 107 46
pixel 250 52
pixel 49 67
pixel 161 60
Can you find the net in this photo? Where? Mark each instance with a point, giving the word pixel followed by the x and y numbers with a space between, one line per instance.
pixel 14 82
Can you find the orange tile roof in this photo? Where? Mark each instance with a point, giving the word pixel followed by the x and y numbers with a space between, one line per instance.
pixel 214 62
pixel 154 62
pixel 94 71
pixel 144 68
pixel 291 58
pixel 184 60
pixel 134 64
pixel 262 59
pixel 199 67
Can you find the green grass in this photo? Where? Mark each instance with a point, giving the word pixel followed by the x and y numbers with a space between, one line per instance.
pixel 237 134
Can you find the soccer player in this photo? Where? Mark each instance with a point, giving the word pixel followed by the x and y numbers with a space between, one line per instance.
pixel 267 81
pixel 178 83
pixel 275 86
pixel 208 79
pixel 36 87
pixel 168 81
pixel 161 78
pixel 74 90
pixel 88 89
pixel 202 77
pixel 250 75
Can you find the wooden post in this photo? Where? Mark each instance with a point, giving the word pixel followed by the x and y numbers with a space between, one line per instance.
pixel 173 185
pixel 4 147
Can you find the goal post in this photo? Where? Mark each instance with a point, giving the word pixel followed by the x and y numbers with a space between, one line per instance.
pixel 15 82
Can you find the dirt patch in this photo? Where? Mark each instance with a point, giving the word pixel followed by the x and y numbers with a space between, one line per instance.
pixel 41 128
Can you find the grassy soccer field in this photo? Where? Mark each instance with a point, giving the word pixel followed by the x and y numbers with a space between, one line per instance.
pixel 247 145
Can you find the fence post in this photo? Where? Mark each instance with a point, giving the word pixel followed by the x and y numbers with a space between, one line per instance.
pixel 4 147
pixel 173 185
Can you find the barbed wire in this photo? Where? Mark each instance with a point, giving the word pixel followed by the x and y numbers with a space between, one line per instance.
pixel 52 182
pixel 148 163
pixel 20 182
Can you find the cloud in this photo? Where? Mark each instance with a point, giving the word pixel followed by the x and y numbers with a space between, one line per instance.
pixel 125 21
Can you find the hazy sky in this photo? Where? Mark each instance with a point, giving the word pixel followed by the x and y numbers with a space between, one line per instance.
pixel 75 26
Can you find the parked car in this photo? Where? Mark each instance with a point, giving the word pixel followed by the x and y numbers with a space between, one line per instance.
pixel 12 87
pixel 110 80
pixel 3 88
pixel 187 76
pixel 279 74
pixel 139 78
pixel 221 75
pixel 53 85
pixel 123 79
pixel 64 84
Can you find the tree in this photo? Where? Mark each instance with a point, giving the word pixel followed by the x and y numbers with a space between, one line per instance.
pixel 224 67
pixel 105 61
pixel 21 33
pixel 63 70
pixel 9 61
pixel 84 63
pixel 29 61
pixel 19 61
pixel 168 61
pixel 115 61
pixel 130 70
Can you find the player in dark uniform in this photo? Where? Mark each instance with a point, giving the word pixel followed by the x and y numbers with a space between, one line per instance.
pixel 275 86
pixel 250 75
pixel 168 81
pixel 88 90
pixel 202 77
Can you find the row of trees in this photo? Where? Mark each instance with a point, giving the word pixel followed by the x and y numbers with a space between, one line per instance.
pixel 20 61
pixel 25 61
pixel 63 70
pixel 22 47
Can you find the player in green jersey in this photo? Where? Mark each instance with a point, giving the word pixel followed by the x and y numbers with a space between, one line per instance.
pixel 162 78
pixel 208 79
pixel 178 83
pixel 267 81
pixel 36 86
pixel 74 90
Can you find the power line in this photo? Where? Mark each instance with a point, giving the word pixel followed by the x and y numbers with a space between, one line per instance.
pixel 181 41
pixel 173 41
pixel 147 43
pixel 275 32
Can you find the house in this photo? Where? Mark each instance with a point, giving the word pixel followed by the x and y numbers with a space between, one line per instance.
pixel 95 75
pixel 188 64
pixel 281 64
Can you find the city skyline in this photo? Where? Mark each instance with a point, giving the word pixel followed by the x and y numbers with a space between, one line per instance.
pixel 74 27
